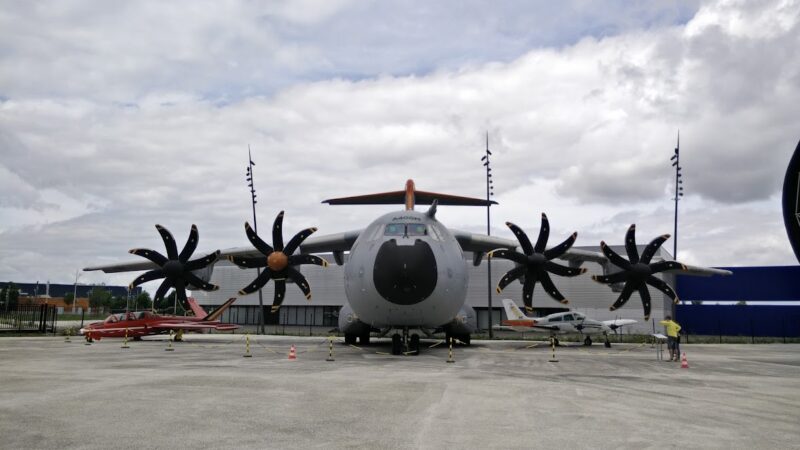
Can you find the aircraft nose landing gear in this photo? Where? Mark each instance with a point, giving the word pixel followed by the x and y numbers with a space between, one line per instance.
pixel 405 343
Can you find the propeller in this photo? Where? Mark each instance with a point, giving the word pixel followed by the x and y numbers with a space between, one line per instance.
pixel 175 268
pixel 637 272
pixel 279 261
pixel 535 263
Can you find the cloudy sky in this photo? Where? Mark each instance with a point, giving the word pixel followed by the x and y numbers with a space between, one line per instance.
pixel 115 116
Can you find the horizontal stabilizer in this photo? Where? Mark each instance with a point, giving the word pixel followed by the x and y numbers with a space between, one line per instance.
pixel 399 198
pixel 409 197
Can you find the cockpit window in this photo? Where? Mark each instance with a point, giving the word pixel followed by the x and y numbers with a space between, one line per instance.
pixel 395 229
pixel 405 229
pixel 416 229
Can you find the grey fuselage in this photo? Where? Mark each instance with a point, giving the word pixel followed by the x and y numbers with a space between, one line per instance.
pixel 406 270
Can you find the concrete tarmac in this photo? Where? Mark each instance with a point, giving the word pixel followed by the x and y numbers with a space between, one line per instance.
pixel 498 394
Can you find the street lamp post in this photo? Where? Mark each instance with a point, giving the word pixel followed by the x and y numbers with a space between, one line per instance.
pixel 676 162
pixel 489 193
pixel 251 184
pixel 75 289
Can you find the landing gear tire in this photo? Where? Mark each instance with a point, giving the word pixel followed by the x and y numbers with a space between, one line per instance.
pixel 137 338
pixel 350 339
pixel 89 339
pixel 588 341
pixel 364 338
pixel 414 344
pixel 397 344
pixel 607 344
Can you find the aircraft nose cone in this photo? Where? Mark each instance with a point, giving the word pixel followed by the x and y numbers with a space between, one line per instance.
pixel 405 275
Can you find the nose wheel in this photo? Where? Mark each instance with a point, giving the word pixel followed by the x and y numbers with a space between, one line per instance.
pixel 405 343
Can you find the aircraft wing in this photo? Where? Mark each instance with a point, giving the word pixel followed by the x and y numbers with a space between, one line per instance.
pixel 337 242
pixel 526 329
pixel 192 326
pixel 481 243
pixel 124 267
pixel 616 323
pixel 701 271
pixel 143 264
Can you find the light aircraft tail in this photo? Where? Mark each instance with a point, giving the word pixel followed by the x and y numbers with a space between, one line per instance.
pixel 512 310
pixel 409 197
pixel 198 310
pixel 218 312
pixel 201 313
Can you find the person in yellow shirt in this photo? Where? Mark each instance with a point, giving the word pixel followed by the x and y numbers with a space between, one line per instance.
pixel 673 338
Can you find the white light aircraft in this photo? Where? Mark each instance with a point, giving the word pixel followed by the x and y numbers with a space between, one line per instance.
pixel 570 322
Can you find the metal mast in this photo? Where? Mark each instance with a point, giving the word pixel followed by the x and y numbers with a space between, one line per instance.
pixel 251 184
pixel 676 162
pixel 489 194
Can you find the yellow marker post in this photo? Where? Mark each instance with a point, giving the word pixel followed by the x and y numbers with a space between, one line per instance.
pixel 125 341
pixel 450 352
pixel 169 346
pixel 66 338
pixel 553 346
pixel 247 353
pixel 330 349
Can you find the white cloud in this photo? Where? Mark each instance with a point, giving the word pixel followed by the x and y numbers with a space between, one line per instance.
pixel 128 136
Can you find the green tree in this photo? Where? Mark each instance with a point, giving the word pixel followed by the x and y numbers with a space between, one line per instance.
pixel 10 297
pixel 69 299
pixel 117 302
pixel 168 302
pixel 142 301
pixel 99 297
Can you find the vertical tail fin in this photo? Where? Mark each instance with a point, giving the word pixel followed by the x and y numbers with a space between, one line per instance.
pixel 512 310
pixel 198 310
pixel 218 312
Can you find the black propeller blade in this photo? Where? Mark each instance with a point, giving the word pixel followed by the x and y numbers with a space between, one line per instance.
pixel 637 272
pixel 535 263
pixel 279 261
pixel 175 268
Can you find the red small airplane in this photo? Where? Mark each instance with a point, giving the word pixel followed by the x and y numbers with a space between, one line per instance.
pixel 146 323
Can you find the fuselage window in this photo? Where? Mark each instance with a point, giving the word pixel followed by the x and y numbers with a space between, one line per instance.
pixel 568 318
pixel 556 319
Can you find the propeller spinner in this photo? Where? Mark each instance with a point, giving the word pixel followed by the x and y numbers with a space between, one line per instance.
pixel 279 261
pixel 535 263
pixel 637 272
pixel 175 268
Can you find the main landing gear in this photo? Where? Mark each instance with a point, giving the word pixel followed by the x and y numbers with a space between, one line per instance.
pixel 587 341
pixel 350 339
pixel 405 343
pixel 464 338
pixel 607 343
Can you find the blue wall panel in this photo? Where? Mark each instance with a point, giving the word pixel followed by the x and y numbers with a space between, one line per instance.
pixel 739 320
pixel 776 283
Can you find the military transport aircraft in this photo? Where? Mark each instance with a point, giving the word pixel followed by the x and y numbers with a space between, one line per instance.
pixel 145 323
pixel 406 271
pixel 571 322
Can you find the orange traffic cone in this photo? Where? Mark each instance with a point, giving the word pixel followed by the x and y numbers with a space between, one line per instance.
pixel 292 353
pixel 684 362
